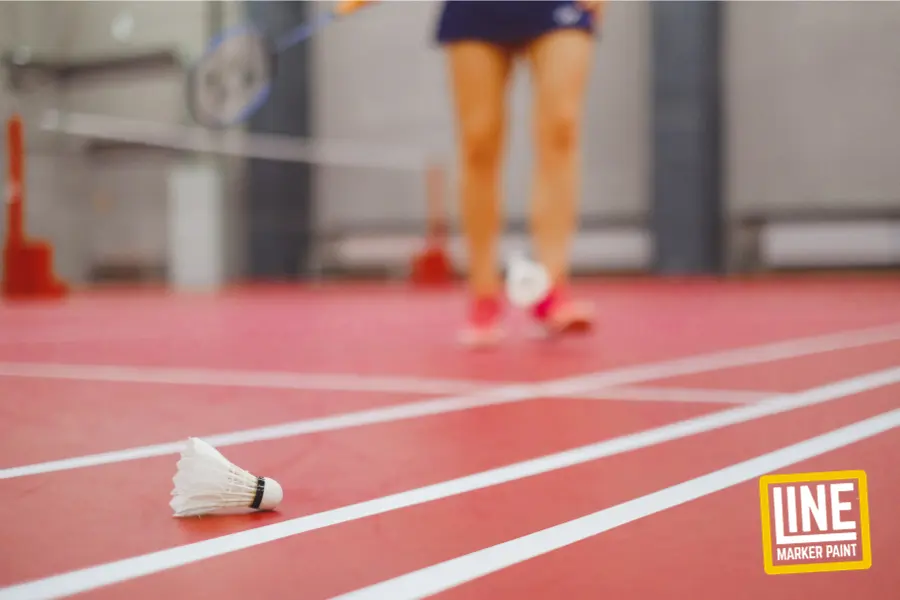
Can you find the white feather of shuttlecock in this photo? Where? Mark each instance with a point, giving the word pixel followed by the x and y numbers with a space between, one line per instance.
pixel 208 483
pixel 527 282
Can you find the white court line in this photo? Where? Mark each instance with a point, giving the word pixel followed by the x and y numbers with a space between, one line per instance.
pixel 63 338
pixel 673 394
pixel 131 568
pixel 342 382
pixel 500 395
pixel 339 382
pixel 75 335
pixel 359 383
pixel 449 574
pixel 245 379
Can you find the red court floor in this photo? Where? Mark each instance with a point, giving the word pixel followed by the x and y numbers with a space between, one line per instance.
pixel 400 458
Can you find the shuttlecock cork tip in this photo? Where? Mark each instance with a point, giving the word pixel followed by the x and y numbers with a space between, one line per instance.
pixel 268 494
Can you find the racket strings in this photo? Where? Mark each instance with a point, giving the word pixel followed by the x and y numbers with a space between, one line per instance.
pixel 232 79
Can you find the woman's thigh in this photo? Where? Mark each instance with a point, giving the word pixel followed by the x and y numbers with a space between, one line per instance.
pixel 480 74
pixel 561 64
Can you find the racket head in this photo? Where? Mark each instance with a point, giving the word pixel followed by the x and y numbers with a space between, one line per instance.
pixel 232 79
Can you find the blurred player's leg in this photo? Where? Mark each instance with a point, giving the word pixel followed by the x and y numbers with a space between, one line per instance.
pixel 560 63
pixel 480 73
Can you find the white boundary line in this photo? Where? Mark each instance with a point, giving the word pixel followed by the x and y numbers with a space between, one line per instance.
pixel 343 382
pixel 451 573
pixel 279 380
pixel 678 395
pixel 567 387
pixel 131 568
pixel 64 337
pixel 359 383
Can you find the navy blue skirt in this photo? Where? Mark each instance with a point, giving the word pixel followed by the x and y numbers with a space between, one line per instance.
pixel 510 22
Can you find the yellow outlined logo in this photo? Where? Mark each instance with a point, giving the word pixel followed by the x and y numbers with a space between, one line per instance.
pixel 815 522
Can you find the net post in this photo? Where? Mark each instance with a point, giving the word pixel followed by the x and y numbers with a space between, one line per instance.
pixel 432 265
pixel 27 264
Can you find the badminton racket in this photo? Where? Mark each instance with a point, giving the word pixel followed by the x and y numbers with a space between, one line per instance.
pixel 233 77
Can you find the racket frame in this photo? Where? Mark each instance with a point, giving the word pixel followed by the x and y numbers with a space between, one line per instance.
pixel 272 49
pixel 192 98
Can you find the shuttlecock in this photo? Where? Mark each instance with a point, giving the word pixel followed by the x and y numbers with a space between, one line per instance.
pixel 208 483
pixel 527 282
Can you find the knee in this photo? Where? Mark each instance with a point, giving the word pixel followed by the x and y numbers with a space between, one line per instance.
pixel 481 144
pixel 558 132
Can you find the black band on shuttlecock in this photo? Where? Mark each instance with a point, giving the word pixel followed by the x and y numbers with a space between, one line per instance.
pixel 260 490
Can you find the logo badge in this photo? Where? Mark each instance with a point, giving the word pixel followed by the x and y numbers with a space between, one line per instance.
pixel 566 15
pixel 815 522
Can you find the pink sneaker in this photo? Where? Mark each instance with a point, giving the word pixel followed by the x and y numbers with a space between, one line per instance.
pixel 483 328
pixel 558 314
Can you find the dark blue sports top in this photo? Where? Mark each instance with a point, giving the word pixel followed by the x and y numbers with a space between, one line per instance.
pixel 509 22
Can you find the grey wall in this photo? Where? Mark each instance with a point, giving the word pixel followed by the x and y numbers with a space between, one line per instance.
pixel 812 92
pixel 813 103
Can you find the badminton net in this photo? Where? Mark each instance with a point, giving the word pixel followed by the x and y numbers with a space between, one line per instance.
pixel 146 202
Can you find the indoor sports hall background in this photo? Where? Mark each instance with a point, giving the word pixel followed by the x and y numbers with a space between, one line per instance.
pixel 806 118
pixel 278 290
